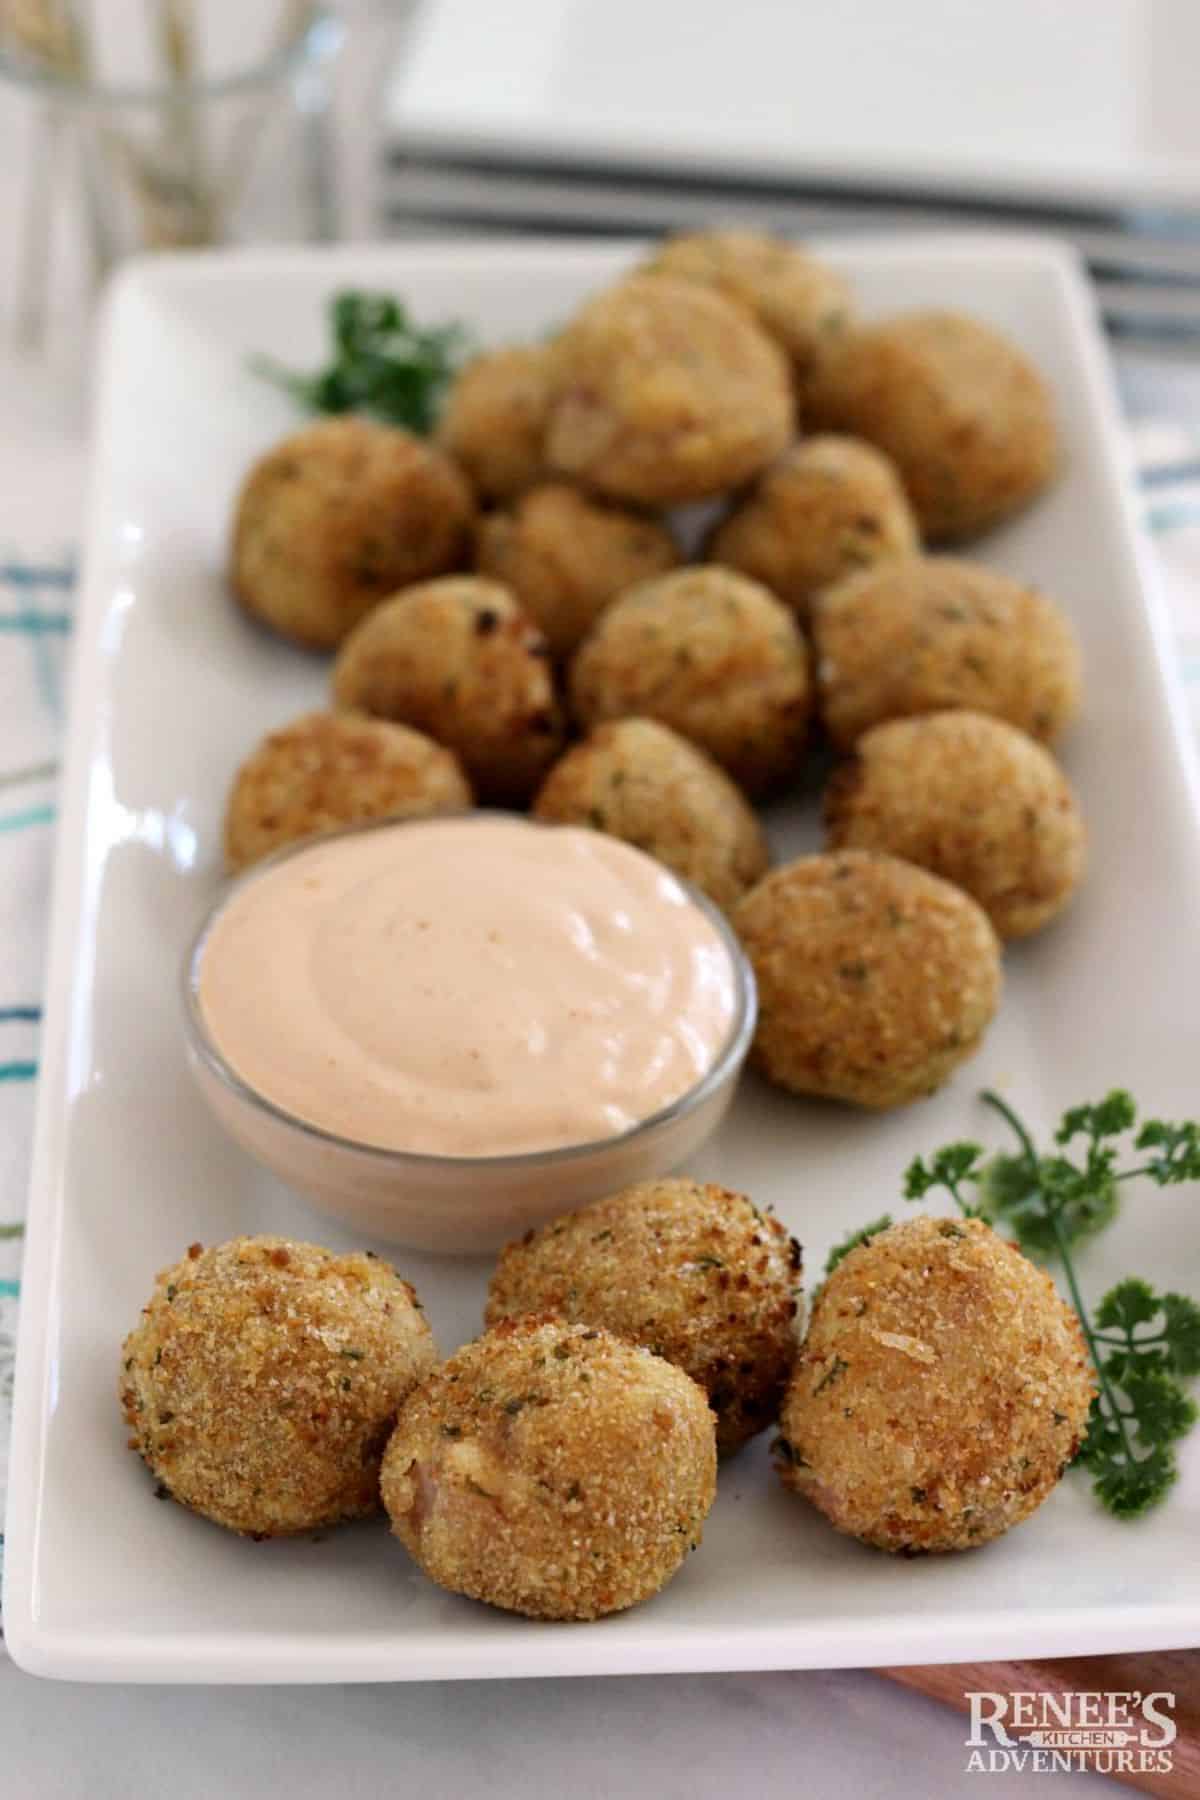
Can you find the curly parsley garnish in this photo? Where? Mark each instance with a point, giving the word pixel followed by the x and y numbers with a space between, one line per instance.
pixel 853 1239
pixel 1143 1344
pixel 381 363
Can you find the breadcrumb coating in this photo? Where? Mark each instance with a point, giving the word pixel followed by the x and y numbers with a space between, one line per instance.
pixel 494 420
pixel 713 655
pixel 941 1393
pixel 640 781
pixel 875 978
pixel 566 556
pixel 663 392
pixel 926 633
pixel 693 1272
pixel 327 770
pixel 263 1380
pixel 828 507
pixel 459 659
pixel 552 1470
pixel 800 301
pixel 337 517
pixel 957 406
pixel 972 799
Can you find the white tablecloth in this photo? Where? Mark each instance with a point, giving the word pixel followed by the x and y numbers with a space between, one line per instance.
pixel 846 1734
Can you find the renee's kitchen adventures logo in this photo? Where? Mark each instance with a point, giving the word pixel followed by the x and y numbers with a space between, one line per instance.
pixel 1055 1734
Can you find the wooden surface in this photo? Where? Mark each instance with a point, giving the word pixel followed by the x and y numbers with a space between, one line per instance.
pixel 1175 1672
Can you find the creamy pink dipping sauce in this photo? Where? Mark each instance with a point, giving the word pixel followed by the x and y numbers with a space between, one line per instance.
pixel 477 986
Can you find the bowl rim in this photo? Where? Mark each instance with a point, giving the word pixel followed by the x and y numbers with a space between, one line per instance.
pixel 726 1064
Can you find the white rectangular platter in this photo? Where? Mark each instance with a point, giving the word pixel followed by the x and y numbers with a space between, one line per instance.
pixel 172 686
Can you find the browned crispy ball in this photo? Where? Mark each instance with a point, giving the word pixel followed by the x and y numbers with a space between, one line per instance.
pixel 331 769
pixel 875 978
pixel 960 410
pixel 974 800
pixel 693 1272
pixel 640 781
pixel 798 299
pixel 710 653
pixel 494 419
pixel 336 518
pixel 942 1390
pixel 263 1379
pixel 552 1470
pixel 459 659
pixel 663 391
pixel 829 506
pixel 565 556
pixel 932 632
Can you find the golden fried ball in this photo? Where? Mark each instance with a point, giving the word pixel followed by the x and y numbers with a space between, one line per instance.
pixel 641 781
pixel 942 1390
pixel 552 1470
pixel 262 1381
pixel 875 978
pixel 336 518
pixel 829 506
pixel 565 556
pixel 494 419
pixel 690 1271
pixel 710 653
pixel 326 770
pixel 960 410
pixel 663 392
pixel 797 299
pixel 933 632
pixel 458 658
pixel 971 798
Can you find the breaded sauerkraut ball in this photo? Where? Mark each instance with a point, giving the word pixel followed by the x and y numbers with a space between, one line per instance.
pixel 932 632
pixel 494 419
pixel 337 517
pixel 941 1393
pixel 828 507
pixel 566 555
pixel 263 1379
pixel 960 410
pixel 459 659
pixel 713 655
pixel 640 781
pixel 665 392
pixel 875 978
pixel 688 1270
pixel 552 1470
pixel 327 770
pixel 971 798
pixel 800 301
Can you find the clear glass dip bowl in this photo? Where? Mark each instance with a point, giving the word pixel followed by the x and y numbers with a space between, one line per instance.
pixel 456 1204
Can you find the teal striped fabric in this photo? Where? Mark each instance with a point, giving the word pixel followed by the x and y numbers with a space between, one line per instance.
pixel 36 595
pixel 35 623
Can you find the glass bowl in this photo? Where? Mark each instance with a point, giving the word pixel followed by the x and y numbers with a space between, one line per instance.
pixel 457 1204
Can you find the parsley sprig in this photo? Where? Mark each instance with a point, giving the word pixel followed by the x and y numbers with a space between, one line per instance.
pixel 381 363
pixel 853 1239
pixel 1143 1344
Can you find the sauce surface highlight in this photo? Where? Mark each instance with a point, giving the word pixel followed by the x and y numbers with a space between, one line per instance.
pixel 468 987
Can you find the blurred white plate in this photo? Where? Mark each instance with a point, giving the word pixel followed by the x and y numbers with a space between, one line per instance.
pixel 1088 101
pixel 172 685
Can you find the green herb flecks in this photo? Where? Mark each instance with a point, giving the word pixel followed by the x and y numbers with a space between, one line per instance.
pixel 1143 1344
pixel 381 363
pixel 837 1367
